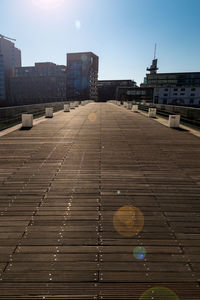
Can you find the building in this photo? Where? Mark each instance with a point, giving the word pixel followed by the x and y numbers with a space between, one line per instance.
pixel 2 81
pixel 107 89
pixel 82 76
pixel 188 95
pixel 173 79
pixel 173 88
pixel 183 79
pixel 10 57
pixel 44 82
pixel 137 94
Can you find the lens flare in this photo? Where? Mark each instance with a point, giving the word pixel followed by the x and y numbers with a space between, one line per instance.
pixel 139 252
pixel 159 293
pixel 92 117
pixel 128 221
pixel 77 24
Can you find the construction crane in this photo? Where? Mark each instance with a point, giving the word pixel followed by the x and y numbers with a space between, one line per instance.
pixel 5 37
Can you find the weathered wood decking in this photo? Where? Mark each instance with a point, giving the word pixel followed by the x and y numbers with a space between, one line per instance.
pixel 61 183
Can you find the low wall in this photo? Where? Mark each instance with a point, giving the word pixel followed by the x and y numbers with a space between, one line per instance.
pixel 188 114
pixel 10 116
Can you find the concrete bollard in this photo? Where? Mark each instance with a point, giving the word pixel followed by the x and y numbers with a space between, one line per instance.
pixel 135 108
pixel 27 120
pixel 72 105
pixel 174 121
pixel 66 108
pixel 49 112
pixel 129 106
pixel 152 112
pixel 76 104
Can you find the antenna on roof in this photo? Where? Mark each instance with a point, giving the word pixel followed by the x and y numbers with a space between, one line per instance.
pixel 155 51
pixel 153 68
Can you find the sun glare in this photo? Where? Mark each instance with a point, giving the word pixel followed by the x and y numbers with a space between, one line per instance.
pixel 48 4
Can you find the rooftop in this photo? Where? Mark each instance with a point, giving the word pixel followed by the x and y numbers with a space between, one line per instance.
pixel 65 233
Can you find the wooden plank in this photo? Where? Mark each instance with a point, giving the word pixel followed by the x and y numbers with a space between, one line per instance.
pixel 146 277
pixel 53 249
pixel 53 266
pixel 59 241
pixel 76 257
pixel 84 276
pixel 146 266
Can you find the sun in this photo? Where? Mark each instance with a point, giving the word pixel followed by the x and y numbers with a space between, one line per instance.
pixel 48 4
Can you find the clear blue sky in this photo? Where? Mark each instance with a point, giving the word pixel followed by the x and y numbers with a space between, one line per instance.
pixel 121 32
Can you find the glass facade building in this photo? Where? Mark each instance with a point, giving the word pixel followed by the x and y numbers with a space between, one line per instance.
pixel 82 76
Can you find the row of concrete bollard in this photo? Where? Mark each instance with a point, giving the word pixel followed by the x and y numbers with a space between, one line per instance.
pixel 27 119
pixel 128 105
pixel 173 121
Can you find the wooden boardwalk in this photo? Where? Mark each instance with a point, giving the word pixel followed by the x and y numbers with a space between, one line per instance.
pixel 60 185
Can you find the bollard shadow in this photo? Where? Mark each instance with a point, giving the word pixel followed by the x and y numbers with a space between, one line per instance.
pixel 180 129
pixel 25 128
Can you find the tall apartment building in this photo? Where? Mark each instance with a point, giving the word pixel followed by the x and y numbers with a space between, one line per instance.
pixel 44 82
pixel 82 76
pixel 10 57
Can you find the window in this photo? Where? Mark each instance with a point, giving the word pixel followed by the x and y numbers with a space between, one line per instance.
pixel 165 95
pixel 171 76
pixel 160 77
pixel 175 94
pixel 193 89
pixel 183 89
pixel 164 101
pixel 192 95
pixel 172 82
pixel 182 94
pixel 175 90
pixel 166 90
pixel 156 99
pixel 191 101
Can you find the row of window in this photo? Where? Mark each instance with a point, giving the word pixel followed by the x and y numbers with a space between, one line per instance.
pixel 191 101
pixel 182 94
pixel 173 76
pixel 182 89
